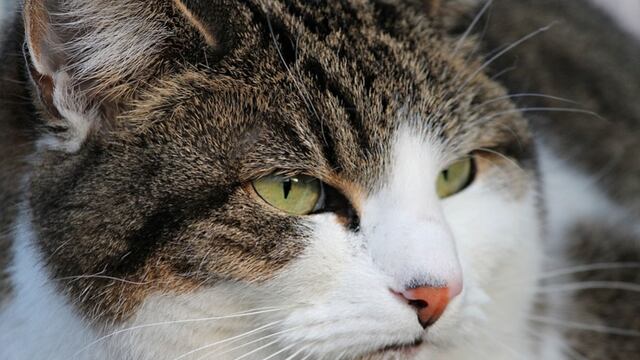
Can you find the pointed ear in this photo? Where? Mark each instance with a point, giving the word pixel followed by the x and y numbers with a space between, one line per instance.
pixel 41 54
pixel 86 59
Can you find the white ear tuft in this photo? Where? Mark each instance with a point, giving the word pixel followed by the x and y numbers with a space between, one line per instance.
pixel 77 116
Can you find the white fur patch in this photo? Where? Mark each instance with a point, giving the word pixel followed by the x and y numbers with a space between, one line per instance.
pixel 80 118
pixel 404 226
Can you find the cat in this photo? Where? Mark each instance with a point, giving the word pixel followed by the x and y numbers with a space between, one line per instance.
pixel 299 180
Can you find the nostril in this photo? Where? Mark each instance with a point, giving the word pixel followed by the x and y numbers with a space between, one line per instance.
pixel 418 304
pixel 428 302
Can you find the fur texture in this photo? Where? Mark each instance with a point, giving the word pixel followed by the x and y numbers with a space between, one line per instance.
pixel 139 235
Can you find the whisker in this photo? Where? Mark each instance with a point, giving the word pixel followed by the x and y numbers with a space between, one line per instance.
pixel 510 160
pixel 526 95
pixel 228 339
pixel 541 109
pixel 470 28
pixel 588 285
pixel 471 55
pixel 506 50
pixel 174 322
pixel 105 277
pixel 256 350
pixel 588 268
pixel 500 73
pixel 250 342
pixel 297 352
pixel 279 352
pixel 585 327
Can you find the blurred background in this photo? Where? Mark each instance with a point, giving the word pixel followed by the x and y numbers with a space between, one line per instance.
pixel 626 11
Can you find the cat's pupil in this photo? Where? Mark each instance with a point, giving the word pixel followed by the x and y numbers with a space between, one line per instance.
pixel 286 187
pixel 445 175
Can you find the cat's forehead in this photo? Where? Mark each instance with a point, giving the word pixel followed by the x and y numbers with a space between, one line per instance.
pixel 326 86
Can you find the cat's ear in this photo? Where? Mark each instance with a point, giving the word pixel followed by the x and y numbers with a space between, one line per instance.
pixel 86 58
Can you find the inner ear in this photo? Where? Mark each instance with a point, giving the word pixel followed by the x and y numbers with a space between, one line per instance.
pixel 39 38
pixel 44 89
pixel 40 56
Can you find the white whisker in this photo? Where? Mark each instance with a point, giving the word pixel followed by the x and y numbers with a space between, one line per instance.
pixel 103 277
pixel 249 343
pixel 526 95
pixel 229 339
pixel 499 154
pixel 585 327
pixel 278 352
pixel 256 350
pixel 587 285
pixel 470 28
pixel 297 353
pixel 541 109
pixel 587 268
pixel 504 51
pixel 175 322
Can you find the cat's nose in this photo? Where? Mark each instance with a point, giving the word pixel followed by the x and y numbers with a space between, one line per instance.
pixel 430 302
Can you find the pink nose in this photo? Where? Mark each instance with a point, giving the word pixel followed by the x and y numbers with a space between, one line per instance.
pixel 430 302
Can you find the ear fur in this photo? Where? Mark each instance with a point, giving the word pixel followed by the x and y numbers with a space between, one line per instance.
pixel 87 57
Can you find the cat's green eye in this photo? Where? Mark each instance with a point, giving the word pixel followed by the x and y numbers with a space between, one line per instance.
pixel 298 195
pixel 455 178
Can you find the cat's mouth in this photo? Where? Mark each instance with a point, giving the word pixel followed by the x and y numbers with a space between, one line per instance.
pixel 403 348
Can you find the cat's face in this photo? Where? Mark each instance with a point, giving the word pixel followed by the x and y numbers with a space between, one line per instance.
pixel 158 214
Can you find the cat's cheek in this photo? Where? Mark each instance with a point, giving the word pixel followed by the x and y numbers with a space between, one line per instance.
pixel 338 298
pixel 498 236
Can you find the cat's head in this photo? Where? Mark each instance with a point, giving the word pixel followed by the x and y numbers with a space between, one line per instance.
pixel 334 175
